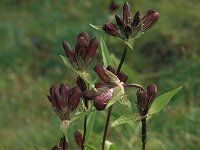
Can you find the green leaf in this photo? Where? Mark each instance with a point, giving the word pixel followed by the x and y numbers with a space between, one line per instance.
pixel 90 124
pixel 161 101
pixel 113 78
pixel 79 115
pixel 97 27
pixel 130 44
pixel 105 53
pixel 126 119
pixel 118 94
pixel 110 146
pixel 67 63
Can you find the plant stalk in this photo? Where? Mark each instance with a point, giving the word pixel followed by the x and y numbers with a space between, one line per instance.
pixel 144 132
pixel 111 107
pixel 84 133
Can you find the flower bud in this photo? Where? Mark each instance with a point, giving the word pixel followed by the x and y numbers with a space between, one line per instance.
pixel 83 35
pixel 150 18
pixel 100 70
pixel 78 138
pixel 126 13
pixel 142 102
pixel 128 30
pixel 111 69
pixel 111 29
pixel 81 84
pixel 136 19
pixel 151 91
pixel 123 77
pixel 68 51
pixel 92 48
pixel 101 100
pixel 119 21
pixel 74 98
pixel 63 90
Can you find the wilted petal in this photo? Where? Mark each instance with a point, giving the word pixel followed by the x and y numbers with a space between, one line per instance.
pixel 111 29
pixel 126 13
pixel 92 48
pixel 101 100
pixel 78 138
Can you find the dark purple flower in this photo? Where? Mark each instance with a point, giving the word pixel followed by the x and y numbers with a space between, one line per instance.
pixel 85 50
pixel 127 28
pixel 78 138
pixel 64 100
pixel 146 98
pixel 63 145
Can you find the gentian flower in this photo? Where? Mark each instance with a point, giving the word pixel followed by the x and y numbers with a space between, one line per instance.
pixel 85 50
pixel 63 145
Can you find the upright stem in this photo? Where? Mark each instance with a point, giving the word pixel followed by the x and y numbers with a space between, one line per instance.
pixel 84 133
pixel 111 107
pixel 144 132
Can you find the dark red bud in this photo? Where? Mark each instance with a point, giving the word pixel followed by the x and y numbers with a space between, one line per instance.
pixel 142 102
pixel 151 91
pixel 74 98
pixel 100 70
pixel 113 6
pixel 126 13
pixel 101 100
pixel 78 138
pixel 123 77
pixel 63 143
pixel 56 148
pixel 111 69
pixel 83 35
pixel 119 21
pixel 128 30
pixel 136 19
pixel 92 48
pixel 111 29
pixel 68 51
pixel 63 89
pixel 151 17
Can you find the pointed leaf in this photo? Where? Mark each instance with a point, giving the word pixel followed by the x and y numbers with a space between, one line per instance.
pixel 130 44
pixel 126 119
pixel 90 147
pixel 79 115
pixel 110 146
pixel 97 27
pixel 67 63
pixel 161 101
pixel 105 53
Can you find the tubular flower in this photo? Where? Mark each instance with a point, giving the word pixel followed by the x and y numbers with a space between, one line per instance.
pixel 146 98
pixel 64 100
pixel 113 6
pixel 63 145
pixel 85 50
pixel 78 138
pixel 126 28
pixel 104 89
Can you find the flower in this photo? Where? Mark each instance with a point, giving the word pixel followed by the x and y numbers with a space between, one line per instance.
pixel 63 145
pixel 85 50
pixel 64 100
pixel 104 90
pixel 146 98
pixel 126 28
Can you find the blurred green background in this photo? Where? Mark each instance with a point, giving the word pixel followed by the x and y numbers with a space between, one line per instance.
pixel 31 35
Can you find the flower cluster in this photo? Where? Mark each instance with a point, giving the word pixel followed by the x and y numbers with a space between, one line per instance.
pixel 127 28
pixel 146 98
pixel 104 89
pixel 85 50
pixel 64 100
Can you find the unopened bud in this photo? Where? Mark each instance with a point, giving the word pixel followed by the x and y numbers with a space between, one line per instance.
pixel 111 29
pixel 78 138
pixel 126 13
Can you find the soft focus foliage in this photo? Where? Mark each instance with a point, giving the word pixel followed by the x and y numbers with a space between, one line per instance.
pixel 31 34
